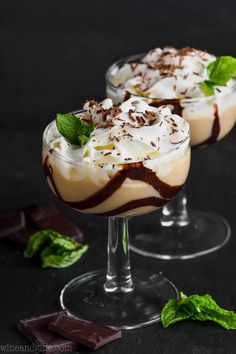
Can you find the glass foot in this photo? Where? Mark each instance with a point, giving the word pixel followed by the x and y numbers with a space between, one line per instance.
pixel 85 297
pixel 205 233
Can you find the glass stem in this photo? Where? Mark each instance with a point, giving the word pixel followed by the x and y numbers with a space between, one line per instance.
pixel 175 213
pixel 118 277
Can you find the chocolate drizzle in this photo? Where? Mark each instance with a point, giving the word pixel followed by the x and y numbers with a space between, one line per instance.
pixel 134 171
pixel 127 95
pixel 175 102
pixel 48 170
pixel 133 204
pixel 214 131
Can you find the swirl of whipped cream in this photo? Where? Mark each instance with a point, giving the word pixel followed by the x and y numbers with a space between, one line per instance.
pixel 167 73
pixel 130 132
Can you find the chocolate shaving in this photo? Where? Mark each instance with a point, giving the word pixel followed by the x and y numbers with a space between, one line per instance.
pixel 184 92
pixel 107 153
pixel 176 142
pixel 173 131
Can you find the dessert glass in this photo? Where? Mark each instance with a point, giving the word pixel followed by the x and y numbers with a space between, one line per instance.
pixel 183 233
pixel 117 297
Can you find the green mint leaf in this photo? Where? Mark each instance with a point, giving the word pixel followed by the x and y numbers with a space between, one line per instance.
pixel 68 125
pixel 207 87
pixel 83 140
pixel 73 129
pixel 198 308
pixel 182 296
pixel 63 241
pixel 222 70
pixel 56 257
pixel 173 313
pixel 209 310
pixel 59 251
pixel 36 241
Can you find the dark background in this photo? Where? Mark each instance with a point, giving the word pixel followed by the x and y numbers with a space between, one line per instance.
pixel 53 56
pixel 55 53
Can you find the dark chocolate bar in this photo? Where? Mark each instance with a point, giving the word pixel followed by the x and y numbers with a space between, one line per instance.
pixel 41 212
pixel 89 334
pixel 11 222
pixel 22 236
pixel 35 330
pixel 48 217
pixel 20 225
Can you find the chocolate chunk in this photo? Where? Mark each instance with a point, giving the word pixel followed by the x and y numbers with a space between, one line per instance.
pixel 11 222
pixel 42 217
pixel 48 217
pixel 89 334
pixel 22 236
pixel 28 209
pixel 35 330
pixel 41 212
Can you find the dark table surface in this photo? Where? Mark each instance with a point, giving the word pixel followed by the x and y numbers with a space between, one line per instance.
pixel 55 55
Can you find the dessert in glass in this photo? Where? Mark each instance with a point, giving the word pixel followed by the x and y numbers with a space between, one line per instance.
pixel 135 160
pixel 179 78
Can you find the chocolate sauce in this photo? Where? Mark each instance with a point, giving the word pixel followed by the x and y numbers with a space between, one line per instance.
pixel 175 102
pixel 133 204
pixel 48 170
pixel 134 171
pixel 214 131
pixel 127 95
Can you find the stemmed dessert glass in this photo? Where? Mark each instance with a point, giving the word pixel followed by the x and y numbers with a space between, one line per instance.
pixel 183 233
pixel 118 297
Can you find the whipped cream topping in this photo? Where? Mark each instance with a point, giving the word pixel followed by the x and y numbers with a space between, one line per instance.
pixel 167 73
pixel 130 132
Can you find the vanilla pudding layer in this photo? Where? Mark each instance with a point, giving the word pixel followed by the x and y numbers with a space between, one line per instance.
pixel 135 160
pixel 210 119
pixel 122 190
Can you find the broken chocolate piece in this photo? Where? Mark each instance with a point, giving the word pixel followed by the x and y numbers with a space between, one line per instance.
pixel 11 222
pixel 91 335
pixel 48 217
pixel 22 236
pixel 35 330
pixel 41 212
pixel 41 217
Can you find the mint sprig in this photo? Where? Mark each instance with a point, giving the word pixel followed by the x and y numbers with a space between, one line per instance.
pixel 219 72
pixel 222 70
pixel 198 308
pixel 73 129
pixel 207 87
pixel 56 250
